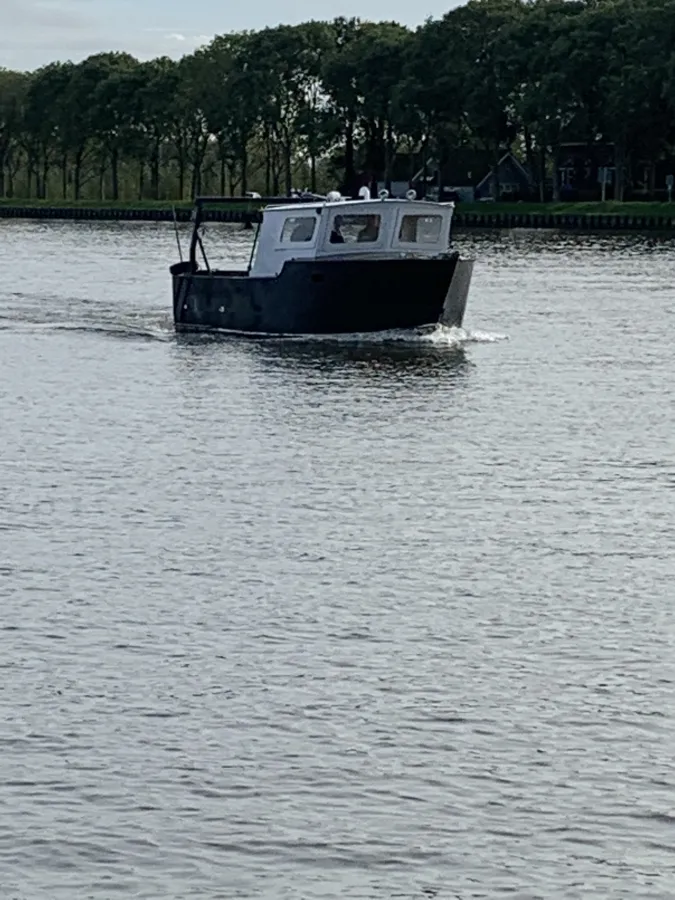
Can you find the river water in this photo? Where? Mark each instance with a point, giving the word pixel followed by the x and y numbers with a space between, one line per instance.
pixel 337 619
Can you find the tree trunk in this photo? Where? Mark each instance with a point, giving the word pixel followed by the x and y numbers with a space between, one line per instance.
pixel 64 176
pixel 495 174
pixel 45 176
pixel 223 176
pixel 542 173
pixel 198 151
pixel 425 167
pixel 388 156
pixel 620 170
pixel 274 160
pixel 312 173
pixel 288 170
pixel 31 170
pixel 141 179
pixel 2 178
pixel 243 161
pixel 114 173
pixel 373 151
pixel 232 173
pixel 154 171
pixel 268 164
pixel 181 176
pixel 196 177
pixel 556 174
pixel 350 168
pixel 529 152
pixel 77 174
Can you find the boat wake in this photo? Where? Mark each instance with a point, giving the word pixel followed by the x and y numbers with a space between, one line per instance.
pixel 22 312
pixel 119 330
pixel 439 336
pixel 412 350
pixel 74 315
pixel 442 335
pixel 429 336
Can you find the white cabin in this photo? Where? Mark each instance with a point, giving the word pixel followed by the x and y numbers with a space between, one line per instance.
pixel 345 229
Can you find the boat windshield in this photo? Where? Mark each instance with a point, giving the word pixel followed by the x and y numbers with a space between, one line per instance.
pixel 420 229
pixel 355 228
pixel 298 229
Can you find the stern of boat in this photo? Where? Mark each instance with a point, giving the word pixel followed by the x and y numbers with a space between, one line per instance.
pixel 454 306
pixel 180 280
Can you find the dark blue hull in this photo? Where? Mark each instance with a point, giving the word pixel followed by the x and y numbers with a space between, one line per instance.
pixel 324 297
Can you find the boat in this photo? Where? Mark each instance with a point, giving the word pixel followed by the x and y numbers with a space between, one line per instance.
pixel 329 266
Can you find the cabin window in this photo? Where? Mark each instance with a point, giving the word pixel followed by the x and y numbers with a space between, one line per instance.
pixel 420 229
pixel 298 229
pixel 355 229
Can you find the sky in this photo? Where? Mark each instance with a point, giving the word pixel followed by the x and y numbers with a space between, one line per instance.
pixel 36 32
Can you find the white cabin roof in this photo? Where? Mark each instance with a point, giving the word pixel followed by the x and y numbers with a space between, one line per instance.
pixel 369 205
pixel 380 228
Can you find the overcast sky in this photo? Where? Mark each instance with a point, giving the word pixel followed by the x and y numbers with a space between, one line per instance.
pixel 35 32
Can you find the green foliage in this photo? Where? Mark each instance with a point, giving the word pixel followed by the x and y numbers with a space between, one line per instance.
pixel 326 104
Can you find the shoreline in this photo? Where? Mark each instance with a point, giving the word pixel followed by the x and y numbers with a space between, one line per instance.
pixel 562 216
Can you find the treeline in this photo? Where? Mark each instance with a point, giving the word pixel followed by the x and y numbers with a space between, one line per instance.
pixel 318 105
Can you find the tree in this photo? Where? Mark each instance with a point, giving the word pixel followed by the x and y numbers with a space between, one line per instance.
pixel 486 55
pixel 339 73
pixel 381 50
pixel 330 101
pixel 114 112
pixel 548 93
pixel 157 87
pixel 231 104
pixel 13 87
pixel 285 68
pixel 433 106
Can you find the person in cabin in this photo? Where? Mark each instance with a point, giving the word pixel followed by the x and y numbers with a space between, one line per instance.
pixel 408 231
pixel 303 231
pixel 370 231
pixel 336 236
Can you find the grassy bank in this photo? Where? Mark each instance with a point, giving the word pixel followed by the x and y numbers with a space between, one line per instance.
pixel 93 204
pixel 123 205
pixel 652 210
pixel 658 210
pixel 597 216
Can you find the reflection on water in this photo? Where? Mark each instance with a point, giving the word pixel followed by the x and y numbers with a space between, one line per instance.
pixel 402 358
pixel 403 352
pixel 339 617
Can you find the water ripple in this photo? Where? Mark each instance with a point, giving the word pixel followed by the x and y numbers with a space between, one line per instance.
pixel 352 618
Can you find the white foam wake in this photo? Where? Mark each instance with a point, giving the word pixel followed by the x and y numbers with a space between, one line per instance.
pixel 437 336
pixel 442 335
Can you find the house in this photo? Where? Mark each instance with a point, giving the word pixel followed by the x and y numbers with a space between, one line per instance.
pixel 467 176
pixel 580 166
pixel 455 178
pixel 515 181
